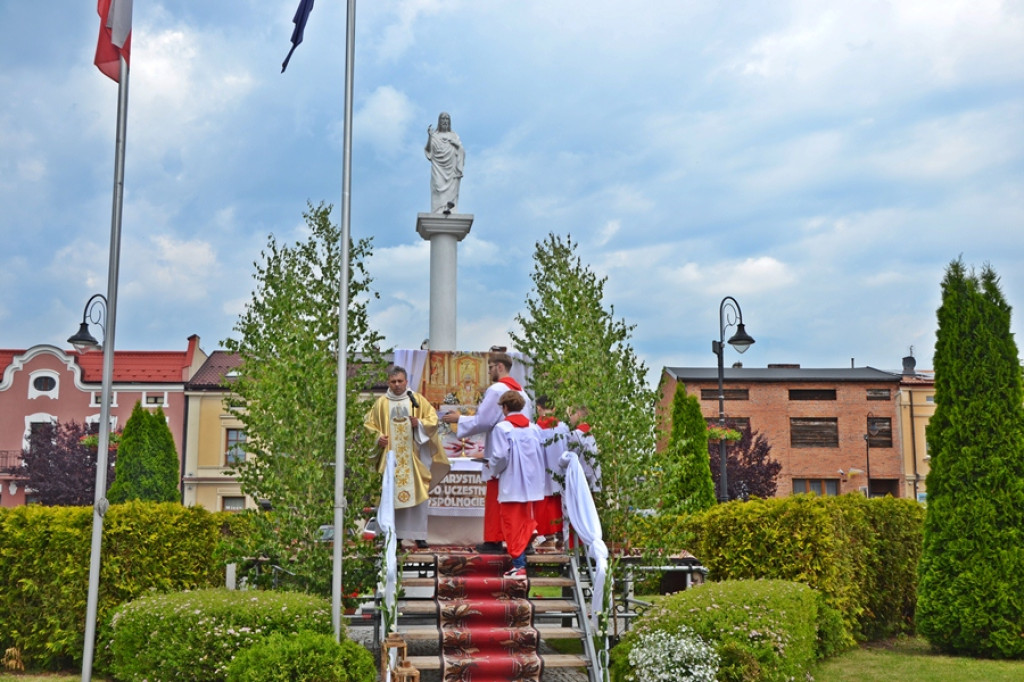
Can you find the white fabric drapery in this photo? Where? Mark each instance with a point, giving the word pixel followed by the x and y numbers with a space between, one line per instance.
pixel 578 507
pixel 386 522
pixel 413 361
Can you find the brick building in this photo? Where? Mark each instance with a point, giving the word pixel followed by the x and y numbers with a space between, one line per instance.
pixel 827 427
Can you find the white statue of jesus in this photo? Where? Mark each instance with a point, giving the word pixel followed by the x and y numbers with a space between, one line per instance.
pixel 447 158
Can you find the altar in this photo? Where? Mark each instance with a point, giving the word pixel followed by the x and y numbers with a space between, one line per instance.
pixel 456 511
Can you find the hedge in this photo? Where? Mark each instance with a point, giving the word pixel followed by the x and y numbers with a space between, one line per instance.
pixel 303 657
pixel 860 554
pixel 44 569
pixel 761 629
pixel 195 635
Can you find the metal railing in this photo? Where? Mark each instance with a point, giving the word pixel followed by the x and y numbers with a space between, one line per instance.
pixel 10 461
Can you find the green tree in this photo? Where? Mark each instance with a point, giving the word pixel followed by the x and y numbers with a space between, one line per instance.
pixel 287 397
pixel 688 484
pixel 581 356
pixel 147 460
pixel 971 573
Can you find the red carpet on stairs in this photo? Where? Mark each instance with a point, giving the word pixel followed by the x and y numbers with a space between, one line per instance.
pixel 486 621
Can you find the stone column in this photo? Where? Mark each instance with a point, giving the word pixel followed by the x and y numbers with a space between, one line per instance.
pixel 444 232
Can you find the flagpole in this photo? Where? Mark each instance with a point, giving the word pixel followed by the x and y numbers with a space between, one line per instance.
pixel 346 211
pixel 100 497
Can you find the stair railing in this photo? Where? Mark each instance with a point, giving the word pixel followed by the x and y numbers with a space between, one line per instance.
pixel 579 509
pixel 387 586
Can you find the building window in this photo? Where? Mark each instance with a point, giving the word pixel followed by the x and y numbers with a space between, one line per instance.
pixel 879 394
pixel 729 393
pixel 879 432
pixel 819 486
pixel 812 394
pixel 234 450
pixel 95 399
pixel 814 432
pixel 39 428
pixel 738 423
pixel 43 384
pixel 157 400
pixel 232 504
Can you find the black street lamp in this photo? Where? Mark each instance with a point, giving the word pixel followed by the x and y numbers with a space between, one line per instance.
pixel 729 314
pixel 872 432
pixel 95 313
pixel 98 312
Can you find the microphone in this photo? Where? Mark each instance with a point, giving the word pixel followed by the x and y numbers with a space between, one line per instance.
pixel 412 399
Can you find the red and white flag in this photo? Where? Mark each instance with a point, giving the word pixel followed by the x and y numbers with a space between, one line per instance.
pixel 115 36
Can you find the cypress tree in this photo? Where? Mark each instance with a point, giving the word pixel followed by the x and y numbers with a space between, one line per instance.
pixel 147 460
pixel 689 487
pixel 971 573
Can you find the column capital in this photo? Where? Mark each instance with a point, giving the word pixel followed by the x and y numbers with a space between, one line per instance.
pixel 454 224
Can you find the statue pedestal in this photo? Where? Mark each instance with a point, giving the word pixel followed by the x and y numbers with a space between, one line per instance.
pixel 444 232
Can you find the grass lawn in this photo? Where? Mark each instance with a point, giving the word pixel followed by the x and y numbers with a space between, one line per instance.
pixel 42 677
pixel 900 659
pixel 912 659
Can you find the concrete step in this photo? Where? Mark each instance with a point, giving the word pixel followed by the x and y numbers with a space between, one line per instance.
pixel 541 558
pixel 534 582
pixel 431 633
pixel 425 607
pixel 550 661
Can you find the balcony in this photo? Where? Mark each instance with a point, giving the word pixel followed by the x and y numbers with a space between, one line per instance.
pixel 10 461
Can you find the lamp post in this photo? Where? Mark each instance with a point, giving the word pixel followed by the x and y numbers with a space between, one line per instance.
pixel 98 312
pixel 729 314
pixel 872 432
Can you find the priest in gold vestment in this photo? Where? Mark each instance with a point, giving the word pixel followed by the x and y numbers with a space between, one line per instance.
pixel 404 421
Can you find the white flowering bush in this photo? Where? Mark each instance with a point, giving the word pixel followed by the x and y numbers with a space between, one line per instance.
pixel 764 630
pixel 680 656
pixel 195 635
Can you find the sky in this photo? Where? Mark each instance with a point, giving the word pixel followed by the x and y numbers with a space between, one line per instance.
pixel 822 163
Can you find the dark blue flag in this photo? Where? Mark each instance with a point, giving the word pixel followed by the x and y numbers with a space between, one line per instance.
pixel 301 14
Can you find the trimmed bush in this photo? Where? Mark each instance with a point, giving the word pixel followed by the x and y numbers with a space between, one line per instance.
pixel 302 657
pixel 44 569
pixel 761 629
pixel 195 635
pixel 860 554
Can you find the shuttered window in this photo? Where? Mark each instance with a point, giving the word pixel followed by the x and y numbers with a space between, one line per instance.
pixel 880 432
pixel 814 432
pixel 812 394
pixel 729 393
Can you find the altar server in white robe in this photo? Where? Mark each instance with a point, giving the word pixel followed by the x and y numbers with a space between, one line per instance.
pixel 517 461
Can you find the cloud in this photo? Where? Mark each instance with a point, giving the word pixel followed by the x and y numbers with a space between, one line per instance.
pixel 610 229
pixel 163 266
pixel 383 120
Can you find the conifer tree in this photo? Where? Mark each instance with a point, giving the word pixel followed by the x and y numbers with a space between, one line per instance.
pixel 971 573
pixel 581 356
pixel 147 460
pixel 688 484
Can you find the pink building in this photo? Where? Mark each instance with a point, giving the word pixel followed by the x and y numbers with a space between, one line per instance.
pixel 44 385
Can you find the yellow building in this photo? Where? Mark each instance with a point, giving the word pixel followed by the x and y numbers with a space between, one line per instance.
pixel 915 404
pixel 213 438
